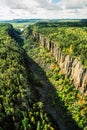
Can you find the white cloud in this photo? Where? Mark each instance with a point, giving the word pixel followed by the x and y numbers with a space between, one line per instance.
pixel 74 4
pixel 11 9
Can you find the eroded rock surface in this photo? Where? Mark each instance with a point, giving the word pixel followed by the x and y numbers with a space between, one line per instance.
pixel 68 65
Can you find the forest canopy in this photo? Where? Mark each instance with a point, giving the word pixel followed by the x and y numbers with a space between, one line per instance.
pixel 71 37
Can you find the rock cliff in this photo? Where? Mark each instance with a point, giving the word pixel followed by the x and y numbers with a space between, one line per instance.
pixel 68 64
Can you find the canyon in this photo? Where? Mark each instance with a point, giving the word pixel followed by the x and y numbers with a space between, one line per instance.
pixel 69 65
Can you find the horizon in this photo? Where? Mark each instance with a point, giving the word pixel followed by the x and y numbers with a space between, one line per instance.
pixel 43 19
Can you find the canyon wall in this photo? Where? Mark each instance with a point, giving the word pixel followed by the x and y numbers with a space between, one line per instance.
pixel 68 64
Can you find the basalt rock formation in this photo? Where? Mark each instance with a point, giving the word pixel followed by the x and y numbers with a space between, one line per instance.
pixel 68 64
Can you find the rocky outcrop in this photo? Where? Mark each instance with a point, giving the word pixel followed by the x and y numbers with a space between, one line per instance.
pixel 68 64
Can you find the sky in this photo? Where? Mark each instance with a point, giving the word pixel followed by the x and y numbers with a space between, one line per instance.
pixel 46 9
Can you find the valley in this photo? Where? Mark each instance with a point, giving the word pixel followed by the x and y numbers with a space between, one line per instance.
pixel 35 93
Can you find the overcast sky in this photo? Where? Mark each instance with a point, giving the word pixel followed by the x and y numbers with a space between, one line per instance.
pixel 48 9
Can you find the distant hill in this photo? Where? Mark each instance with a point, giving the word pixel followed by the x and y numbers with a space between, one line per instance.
pixel 21 20
pixel 36 20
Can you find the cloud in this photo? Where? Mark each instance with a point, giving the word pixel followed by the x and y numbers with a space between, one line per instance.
pixel 43 8
pixel 74 4
pixel 49 5
pixel 19 4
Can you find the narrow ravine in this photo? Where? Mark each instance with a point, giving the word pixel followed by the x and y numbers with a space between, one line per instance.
pixel 42 61
pixel 20 104
pixel 34 93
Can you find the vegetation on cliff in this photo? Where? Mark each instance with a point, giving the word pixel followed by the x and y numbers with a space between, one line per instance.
pixel 34 94
pixel 20 105
pixel 71 103
pixel 71 37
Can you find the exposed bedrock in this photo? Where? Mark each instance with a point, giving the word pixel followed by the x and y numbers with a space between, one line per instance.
pixel 68 64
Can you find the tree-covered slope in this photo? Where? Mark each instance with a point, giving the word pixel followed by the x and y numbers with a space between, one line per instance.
pixel 71 104
pixel 20 105
pixel 29 89
pixel 71 37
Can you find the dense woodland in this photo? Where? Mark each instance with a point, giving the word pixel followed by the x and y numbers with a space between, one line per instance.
pixel 71 37
pixel 22 107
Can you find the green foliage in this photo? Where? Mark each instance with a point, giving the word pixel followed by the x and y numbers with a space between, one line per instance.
pixel 20 109
pixel 20 105
pixel 25 123
pixel 66 95
pixel 70 37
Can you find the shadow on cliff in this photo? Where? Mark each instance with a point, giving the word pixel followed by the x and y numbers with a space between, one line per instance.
pixel 59 107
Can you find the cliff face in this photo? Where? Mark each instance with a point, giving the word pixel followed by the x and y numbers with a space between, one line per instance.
pixel 68 65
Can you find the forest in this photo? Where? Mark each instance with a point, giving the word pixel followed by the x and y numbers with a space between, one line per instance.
pixel 34 93
pixel 20 107
pixel 71 37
